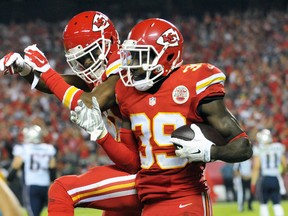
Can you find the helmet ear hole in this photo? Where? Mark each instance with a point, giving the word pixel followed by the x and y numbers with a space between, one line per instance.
pixel 170 57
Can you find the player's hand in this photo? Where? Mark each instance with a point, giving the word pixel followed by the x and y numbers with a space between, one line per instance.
pixel 195 150
pixel 36 59
pixel 13 63
pixel 89 119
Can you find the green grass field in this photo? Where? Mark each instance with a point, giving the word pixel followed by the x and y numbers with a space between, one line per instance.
pixel 220 209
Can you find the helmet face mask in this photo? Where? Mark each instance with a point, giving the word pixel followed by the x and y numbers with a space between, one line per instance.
pixel 98 57
pixel 90 35
pixel 155 46
pixel 141 64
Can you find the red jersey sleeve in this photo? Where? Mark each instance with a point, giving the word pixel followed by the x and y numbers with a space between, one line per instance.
pixel 124 154
pixel 209 82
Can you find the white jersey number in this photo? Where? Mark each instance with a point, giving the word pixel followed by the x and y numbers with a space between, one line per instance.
pixel 155 128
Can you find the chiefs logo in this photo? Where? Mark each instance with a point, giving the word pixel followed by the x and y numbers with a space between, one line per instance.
pixel 170 37
pixel 100 22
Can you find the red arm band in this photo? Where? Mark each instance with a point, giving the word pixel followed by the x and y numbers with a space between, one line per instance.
pixel 124 154
pixel 69 95
pixel 243 134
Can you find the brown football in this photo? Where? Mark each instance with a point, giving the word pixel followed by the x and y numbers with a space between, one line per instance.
pixel 186 133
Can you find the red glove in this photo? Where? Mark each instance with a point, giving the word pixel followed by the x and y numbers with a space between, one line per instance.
pixel 36 59
pixel 13 63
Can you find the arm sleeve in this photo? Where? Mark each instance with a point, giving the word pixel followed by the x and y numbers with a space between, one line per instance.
pixel 67 94
pixel 124 154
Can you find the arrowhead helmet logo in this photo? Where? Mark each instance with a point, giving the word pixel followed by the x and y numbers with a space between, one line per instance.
pixel 169 37
pixel 100 22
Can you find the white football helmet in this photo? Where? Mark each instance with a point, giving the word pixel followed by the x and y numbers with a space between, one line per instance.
pixel 32 134
pixel 264 137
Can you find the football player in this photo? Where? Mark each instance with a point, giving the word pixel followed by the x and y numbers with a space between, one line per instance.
pixel 39 168
pixel 156 95
pixel 269 159
pixel 91 45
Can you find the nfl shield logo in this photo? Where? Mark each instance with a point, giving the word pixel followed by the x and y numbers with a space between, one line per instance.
pixel 152 101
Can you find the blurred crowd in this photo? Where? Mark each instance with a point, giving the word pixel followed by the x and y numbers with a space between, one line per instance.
pixel 251 48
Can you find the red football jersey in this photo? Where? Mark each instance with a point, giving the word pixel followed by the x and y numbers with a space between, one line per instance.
pixel 155 116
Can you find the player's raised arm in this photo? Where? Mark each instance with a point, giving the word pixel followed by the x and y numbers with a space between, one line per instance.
pixel 14 63
pixel 91 43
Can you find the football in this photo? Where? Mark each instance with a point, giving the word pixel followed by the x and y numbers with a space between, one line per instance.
pixel 186 133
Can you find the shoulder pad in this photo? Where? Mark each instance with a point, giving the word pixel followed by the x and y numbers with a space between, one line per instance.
pixel 204 75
